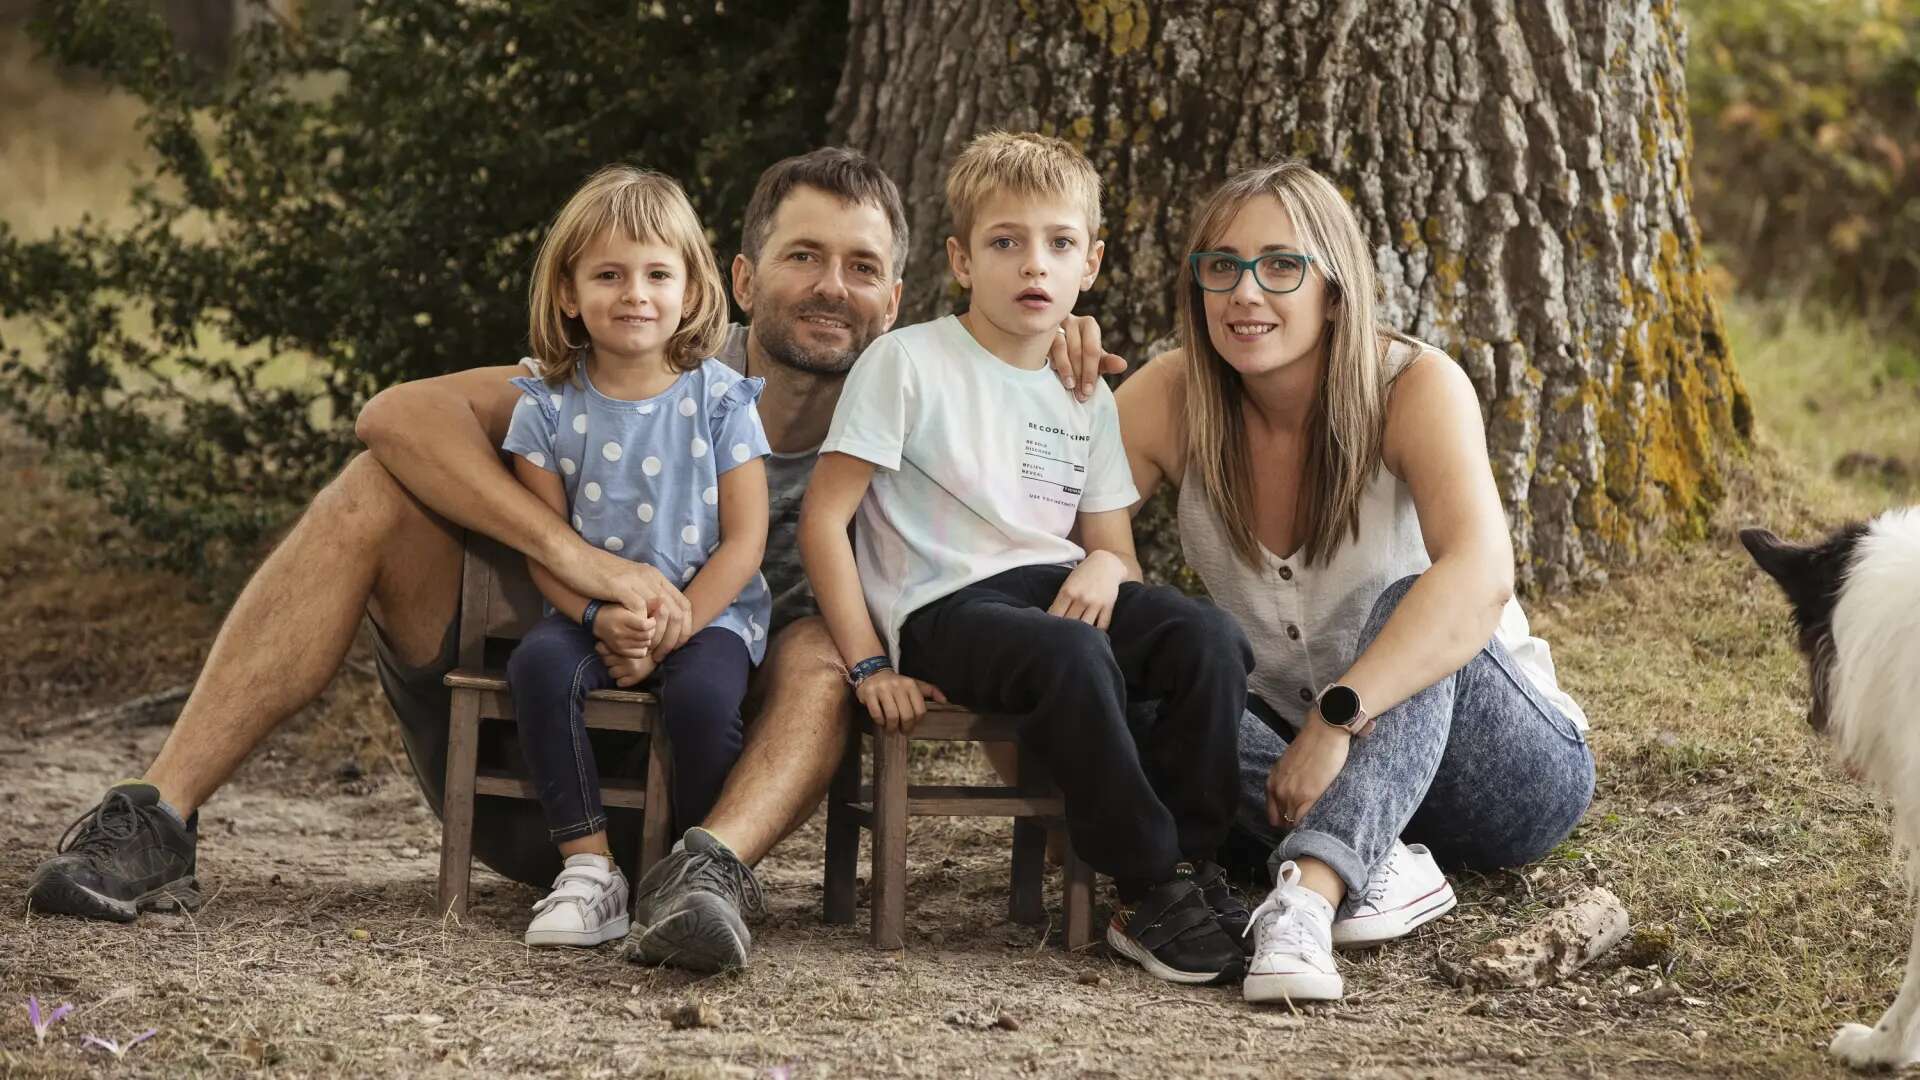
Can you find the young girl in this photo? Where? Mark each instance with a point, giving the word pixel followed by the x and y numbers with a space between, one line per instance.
pixel 653 452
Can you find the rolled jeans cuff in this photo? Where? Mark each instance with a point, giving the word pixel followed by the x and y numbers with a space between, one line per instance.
pixel 579 829
pixel 1329 849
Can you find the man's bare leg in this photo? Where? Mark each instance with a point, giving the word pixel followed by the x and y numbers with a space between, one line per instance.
pixel 363 544
pixel 689 908
pixel 793 745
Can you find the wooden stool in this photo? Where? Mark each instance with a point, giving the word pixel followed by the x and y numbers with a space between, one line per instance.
pixel 498 601
pixel 885 805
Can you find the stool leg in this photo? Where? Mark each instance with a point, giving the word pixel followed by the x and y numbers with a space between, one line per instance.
pixel 656 817
pixel 889 840
pixel 1077 896
pixel 456 808
pixel 843 838
pixel 1025 905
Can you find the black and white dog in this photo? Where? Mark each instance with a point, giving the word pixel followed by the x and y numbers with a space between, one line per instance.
pixel 1856 604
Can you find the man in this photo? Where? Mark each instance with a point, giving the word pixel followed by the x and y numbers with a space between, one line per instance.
pixel 819 271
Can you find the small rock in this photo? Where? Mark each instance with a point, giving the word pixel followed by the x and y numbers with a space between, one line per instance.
pixel 357 934
pixel 694 1014
pixel 1006 1022
pixel 1485 1006
pixel 634 1009
pixel 408 852
pixel 349 770
pixel 1091 978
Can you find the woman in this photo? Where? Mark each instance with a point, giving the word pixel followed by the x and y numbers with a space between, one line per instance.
pixel 1396 691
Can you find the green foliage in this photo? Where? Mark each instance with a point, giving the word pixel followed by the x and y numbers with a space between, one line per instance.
pixel 353 203
pixel 1806 167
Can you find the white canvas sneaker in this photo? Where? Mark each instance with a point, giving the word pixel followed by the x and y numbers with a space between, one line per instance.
pixel 1407 891
pixel 1292 945
pixel 588 905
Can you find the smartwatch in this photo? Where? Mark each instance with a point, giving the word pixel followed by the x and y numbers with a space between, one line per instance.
pixel 1340 706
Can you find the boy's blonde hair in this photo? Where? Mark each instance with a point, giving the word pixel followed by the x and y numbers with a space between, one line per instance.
pixel 641 205
pixel 1028 165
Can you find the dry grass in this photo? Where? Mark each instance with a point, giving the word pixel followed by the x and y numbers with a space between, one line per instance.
pixel 1759 881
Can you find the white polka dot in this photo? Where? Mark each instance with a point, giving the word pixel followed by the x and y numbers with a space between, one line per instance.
pixel 580 424
pixel 567 466
pixel 711 496
pixel 611 451
pixel 651 466
pixel 646 409
pixel 614 543
pixel 758 631
pixel 591 491
pixel 699 447
pixel 555 398
pixel 686 406
pixel 690 535
pixel 717 389
pixel 687 574
pixel 645 511
pixel 537 458
pixel 741 452
pixel 577 525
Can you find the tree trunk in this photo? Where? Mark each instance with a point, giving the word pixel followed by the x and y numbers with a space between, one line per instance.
pixel 1520 169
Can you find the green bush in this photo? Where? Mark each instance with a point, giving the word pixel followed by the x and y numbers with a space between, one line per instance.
pixel 1806 163
pixel 353 203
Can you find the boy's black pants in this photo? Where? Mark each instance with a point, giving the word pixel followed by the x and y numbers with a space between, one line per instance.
pixel 1135 807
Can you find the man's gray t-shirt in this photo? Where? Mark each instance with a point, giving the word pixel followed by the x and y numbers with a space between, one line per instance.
pixel 787 476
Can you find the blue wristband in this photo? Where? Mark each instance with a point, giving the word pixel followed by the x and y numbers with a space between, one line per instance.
pixel 866 669
pixel 587 616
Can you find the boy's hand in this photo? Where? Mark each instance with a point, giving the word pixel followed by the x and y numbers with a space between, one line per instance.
pixel 896 701
pixel 628 670
pixel 624 631
pixel 1089 592
pixel 1078 359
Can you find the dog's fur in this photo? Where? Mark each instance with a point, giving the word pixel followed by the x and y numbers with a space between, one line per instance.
pixel 1856 604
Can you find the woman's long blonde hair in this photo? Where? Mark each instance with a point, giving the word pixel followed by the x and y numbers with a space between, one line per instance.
pixel 1347 422
pixel 638 204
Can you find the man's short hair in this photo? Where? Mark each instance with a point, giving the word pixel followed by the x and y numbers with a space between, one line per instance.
pixel 837 170
pixel 1026 165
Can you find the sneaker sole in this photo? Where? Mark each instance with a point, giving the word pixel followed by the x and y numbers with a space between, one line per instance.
pixel 612 931
pixel 1379 930
pixel 1119 942
pixel 703 936
pixel 1293 986
pixel 62 896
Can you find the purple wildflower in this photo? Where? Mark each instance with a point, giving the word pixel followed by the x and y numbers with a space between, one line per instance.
pixel 40 1026
pixel 115 1048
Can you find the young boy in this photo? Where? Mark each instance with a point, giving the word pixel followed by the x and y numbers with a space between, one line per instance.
pixel 970 468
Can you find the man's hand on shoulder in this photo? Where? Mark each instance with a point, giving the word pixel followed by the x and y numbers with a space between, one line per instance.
pixel 1077 357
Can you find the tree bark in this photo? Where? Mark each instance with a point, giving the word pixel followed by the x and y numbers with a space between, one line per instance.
pixel 1521 171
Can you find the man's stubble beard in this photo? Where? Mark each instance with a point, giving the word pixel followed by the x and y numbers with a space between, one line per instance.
pixel 778 342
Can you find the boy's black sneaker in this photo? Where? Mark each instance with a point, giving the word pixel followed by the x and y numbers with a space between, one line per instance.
pixel 124 856
pixel 1228 909
pixel 1171 932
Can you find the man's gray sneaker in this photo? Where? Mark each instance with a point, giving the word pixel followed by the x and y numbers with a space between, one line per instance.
pixel 687 908
pixel 126 855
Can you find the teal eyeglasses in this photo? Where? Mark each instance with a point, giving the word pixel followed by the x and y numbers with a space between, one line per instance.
pixel 1275 271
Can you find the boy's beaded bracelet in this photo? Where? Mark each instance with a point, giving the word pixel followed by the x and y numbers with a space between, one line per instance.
pixel 587 616
pixel 866 669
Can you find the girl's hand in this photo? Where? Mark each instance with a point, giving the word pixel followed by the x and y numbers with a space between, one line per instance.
pixel 895 701
pixel 624 631
pixel 1089 592
pixel 670 631
pixel 1306 770
pixel 628 670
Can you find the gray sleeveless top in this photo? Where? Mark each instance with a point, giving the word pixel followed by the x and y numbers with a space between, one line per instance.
pixel 1304 621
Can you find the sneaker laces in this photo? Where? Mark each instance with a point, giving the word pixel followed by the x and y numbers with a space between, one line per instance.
pixel 97 832
pixel 1378 884
pixel 723 874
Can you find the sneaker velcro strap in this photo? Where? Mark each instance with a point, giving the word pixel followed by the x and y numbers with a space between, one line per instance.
pixel 1155 924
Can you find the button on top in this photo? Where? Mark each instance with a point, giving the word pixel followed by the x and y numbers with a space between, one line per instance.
pixel 1306 694
pixel 1286 573
pixel 1293 632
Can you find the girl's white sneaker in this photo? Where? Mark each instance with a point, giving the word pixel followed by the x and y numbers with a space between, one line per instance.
pixel 588 905
pixel 1292 945
pixel 1408 891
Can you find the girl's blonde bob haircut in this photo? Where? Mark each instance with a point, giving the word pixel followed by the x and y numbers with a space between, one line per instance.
pixel 1347 424
pixel 635 204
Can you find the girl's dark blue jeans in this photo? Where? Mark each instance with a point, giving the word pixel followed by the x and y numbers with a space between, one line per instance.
pixel 700 686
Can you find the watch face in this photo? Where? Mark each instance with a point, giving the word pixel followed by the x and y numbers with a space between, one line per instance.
pixel 1339 705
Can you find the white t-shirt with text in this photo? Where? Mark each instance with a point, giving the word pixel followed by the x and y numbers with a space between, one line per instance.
pixel 982 467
